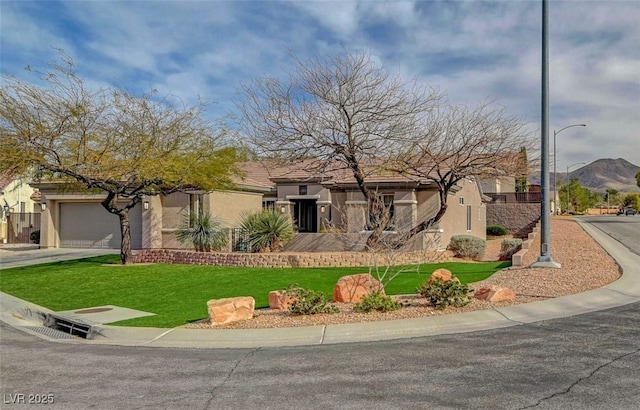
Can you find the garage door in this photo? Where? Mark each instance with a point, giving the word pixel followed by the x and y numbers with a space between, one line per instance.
pixel 89 225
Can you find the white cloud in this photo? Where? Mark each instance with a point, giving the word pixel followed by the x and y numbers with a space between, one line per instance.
pixel 472 50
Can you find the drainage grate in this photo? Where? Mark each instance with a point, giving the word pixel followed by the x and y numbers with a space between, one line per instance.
pixel 49 332
pixel 74 328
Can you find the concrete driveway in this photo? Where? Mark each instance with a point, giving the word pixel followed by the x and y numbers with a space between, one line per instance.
pixel 12 256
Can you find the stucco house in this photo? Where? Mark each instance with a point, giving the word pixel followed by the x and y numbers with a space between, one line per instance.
pixel 78 220
pixel 19 199
pixel 332 200
pixel 316 203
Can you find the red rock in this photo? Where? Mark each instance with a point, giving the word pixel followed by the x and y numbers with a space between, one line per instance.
pixel 228 310
pixel 443 274
pixel 353 287
pixel 280 300
pixel 495 294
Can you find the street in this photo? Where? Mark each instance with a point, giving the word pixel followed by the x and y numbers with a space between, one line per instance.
pixel 586 361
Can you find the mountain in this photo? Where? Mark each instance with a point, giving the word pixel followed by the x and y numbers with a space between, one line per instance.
pixel 604 174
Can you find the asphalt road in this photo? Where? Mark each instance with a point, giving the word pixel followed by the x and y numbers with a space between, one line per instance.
pixel 589 361
pixel 625 229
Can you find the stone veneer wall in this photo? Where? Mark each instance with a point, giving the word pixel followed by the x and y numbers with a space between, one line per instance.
pixel 284 259
pixel 518 218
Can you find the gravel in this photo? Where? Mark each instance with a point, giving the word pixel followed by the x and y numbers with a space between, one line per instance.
pixel 571 246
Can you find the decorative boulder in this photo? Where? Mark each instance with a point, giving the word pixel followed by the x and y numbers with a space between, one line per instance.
pixel 444 275
pixel 353 287
pixel 495 294
pixel 280 300
pixel 228 310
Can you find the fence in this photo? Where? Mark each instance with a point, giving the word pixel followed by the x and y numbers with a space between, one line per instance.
pixel 20 226
pixel 240 240
pixel 516 197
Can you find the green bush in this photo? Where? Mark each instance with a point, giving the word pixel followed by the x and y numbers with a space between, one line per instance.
pixel 376 301
pixel 443 294
pixel 509 246
pixel 497 230
pixel 267 230
pixel 204 232
pixel 467 246
pixel 35 236
pixel 308 302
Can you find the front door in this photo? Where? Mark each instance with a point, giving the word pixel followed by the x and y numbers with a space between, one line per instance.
pixel 306 214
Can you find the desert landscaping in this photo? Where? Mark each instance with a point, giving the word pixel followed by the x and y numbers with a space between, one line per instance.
pixel 570 246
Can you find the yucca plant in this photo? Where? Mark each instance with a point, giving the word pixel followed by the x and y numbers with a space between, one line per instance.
pixel 203 231
pixel 268 230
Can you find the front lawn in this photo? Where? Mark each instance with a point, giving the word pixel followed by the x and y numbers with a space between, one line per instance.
pixel 178 294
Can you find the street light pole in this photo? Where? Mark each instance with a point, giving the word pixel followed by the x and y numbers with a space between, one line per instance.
pixel 568 201
pixel 555 186
pixel 545 260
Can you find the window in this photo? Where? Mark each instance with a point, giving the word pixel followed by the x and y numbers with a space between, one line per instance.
pixel 468 217
pixel 461 200
pixel 380 208
pixel 195 206
pixel 302 190
pixel 269 204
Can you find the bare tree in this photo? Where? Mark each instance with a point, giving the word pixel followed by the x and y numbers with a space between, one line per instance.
pixel 342 113
pixel 462 142
pixel 109 141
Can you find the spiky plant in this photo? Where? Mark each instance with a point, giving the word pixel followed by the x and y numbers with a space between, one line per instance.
pixel 268 230
pixel 203 231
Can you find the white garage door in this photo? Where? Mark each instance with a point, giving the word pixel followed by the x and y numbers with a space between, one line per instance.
pixel 89 225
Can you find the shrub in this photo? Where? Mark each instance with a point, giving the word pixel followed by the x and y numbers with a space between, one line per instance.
pixel 203 231
pixel 442 294
pixel 509 246
pixel 467 246
pixel 308 302
pixel 35 236
pixel 497 230
pixel 376 301
pixel 267 230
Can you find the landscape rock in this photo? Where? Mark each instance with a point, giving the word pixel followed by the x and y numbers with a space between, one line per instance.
pixel 229 310
pixel 280 300
pixel 444 275
pixel 495 294
pixel 352 288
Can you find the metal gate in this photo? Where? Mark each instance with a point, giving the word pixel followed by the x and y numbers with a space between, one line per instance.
pixel 20 226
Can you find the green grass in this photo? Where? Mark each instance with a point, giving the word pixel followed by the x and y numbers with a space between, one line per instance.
pixel 178 294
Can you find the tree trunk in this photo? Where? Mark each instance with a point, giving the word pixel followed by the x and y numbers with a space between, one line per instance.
pixel 125 230
pixel 109 203
pixel 426 224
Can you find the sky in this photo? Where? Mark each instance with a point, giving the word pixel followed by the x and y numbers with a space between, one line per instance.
pixel 473 51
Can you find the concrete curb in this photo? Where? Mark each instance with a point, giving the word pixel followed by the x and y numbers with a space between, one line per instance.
pixel 624 291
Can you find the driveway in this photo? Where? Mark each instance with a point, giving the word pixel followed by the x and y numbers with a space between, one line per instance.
pixel 12 256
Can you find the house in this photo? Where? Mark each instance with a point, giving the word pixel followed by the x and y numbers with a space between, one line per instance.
pixel 518 212
pixel 332 200
pixel 78 220
pixel 316 203
pixel 19 199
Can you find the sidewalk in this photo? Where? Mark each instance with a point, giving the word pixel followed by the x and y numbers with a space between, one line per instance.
pixel 28 317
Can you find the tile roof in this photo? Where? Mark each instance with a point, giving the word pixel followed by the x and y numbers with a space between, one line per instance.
pixel 267 173
pixel 6 177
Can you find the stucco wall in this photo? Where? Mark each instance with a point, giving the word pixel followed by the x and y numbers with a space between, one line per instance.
pixel 518 218
pixel 230 206
pixel 454 222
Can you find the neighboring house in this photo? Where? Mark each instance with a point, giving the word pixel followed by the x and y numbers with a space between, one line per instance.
pixel 17 197
pixel 517 211
pixel 333 200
